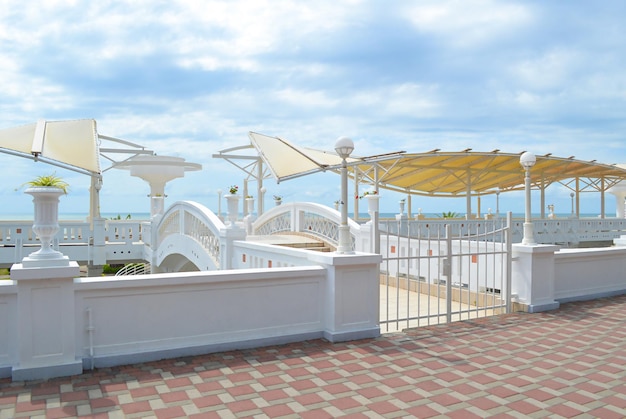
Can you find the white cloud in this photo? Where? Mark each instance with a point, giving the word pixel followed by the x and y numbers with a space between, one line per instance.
pixel 468 23
pixel 190 78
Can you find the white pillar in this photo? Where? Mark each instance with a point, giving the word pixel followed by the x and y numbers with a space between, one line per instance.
pixel 619 191
pixel 528 160
pixel 533 276
pixel 344 147
pixel 46 322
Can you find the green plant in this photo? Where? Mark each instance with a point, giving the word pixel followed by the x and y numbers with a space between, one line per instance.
pixel 278 198
pixel 367 193
pixel 119 217
pixel 111 269
pixel 449 214
pixel 52 180
pixel 233 189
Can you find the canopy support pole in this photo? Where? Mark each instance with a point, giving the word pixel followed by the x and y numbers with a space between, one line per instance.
pixel 543 196
pixel 356 192
pixel 259 190
pixel 468 199
pixel 94 198
pixel 602 187
pixel 577 197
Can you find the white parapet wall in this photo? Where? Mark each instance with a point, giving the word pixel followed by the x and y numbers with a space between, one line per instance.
pixel 589 273
pixel 121 320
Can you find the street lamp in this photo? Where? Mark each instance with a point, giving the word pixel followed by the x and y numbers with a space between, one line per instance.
pixel 219 204
pixel 497 202
pixel 344 147
pixel 572 196
pixel 528 160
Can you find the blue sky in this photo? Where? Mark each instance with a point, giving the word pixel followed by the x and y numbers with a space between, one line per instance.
pixel 189 78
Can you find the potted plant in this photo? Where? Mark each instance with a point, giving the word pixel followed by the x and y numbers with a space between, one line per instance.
pixel 250 204
pixel 232 201
pixel 278 200
pixel 372 201
pixel 46 191
pixel 449 214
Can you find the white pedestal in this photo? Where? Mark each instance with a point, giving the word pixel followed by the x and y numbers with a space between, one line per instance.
pixel 46 322
pixel 533 276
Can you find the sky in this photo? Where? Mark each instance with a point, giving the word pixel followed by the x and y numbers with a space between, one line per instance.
pixel 191 78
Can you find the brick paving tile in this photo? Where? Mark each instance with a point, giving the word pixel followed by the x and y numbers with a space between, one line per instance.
pixel 605 413
pixel 569 362
pixel 103 403
pixel 170 413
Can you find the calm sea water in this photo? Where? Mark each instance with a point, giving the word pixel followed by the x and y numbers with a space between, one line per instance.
pixel 78 216
pixel 141 216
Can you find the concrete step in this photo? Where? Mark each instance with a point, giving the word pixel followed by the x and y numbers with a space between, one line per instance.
pixel 297 241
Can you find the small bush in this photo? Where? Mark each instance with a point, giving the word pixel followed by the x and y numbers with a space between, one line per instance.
pixel 111 269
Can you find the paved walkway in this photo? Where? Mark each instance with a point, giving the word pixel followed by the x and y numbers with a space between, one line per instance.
pixel 565 363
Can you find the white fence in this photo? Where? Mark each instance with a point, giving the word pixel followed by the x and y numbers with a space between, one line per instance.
pixel 111 240
pixel 435 273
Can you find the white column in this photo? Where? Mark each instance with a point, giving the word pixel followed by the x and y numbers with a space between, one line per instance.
pixel 46 322
pixel 533 276
pixel 344 147
pixel 528 160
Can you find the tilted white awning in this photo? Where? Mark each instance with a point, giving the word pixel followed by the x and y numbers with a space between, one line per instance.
pixel 287 161
pixel 73 143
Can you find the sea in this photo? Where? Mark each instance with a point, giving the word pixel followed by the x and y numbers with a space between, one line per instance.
pixel 144 216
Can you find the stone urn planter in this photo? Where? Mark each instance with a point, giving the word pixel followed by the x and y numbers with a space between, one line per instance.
pixel 372 204
pixel 402 203
pixel 250 205
pixel 46 223
pixel 46 191
pixel 232 202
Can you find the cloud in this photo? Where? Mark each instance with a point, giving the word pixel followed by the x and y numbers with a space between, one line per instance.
pixel 190 78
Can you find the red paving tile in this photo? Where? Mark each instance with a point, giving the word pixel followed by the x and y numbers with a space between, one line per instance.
pixel 564 363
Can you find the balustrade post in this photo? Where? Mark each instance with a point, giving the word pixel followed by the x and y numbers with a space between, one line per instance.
pixel 46 346
pixel 532 276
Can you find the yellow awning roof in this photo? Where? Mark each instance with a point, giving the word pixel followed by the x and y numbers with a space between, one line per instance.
pixel 456 173
pixel 73 143
pixel 436 173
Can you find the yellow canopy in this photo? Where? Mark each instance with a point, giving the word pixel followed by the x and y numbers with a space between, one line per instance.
pixel 457 173
pixel 435 173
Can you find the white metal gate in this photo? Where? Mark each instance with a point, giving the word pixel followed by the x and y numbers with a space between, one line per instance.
pixel 443 270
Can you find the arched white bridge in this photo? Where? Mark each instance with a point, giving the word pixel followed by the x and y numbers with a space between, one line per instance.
pixel 191 237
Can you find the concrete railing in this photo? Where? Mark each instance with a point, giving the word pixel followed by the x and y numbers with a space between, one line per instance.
pixel 544 275
pixel 108 241
pixel 589 273
pixel 305 217
pixel 65 324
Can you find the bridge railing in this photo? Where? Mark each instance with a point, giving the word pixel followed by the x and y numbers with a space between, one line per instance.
pixel 196 222
pixel 305 217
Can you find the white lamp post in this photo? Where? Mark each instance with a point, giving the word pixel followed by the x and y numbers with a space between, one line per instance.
pixel 528 160
pixel 497 202
pixel 344 147
pixel 219 204
pixel 572 197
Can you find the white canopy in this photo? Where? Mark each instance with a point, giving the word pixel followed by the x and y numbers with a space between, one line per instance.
pixel 287 160
pixel 73 143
